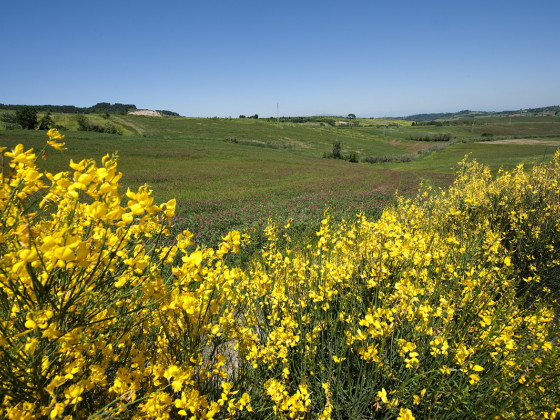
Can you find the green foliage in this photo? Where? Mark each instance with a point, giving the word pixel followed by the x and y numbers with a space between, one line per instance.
pixel 46 122
pixel 301 120
pixel 101 107
pixel 337 150
pixel 27 117
pixel 85 125
pixel 9 120
pixel 168 113
pixel 112 108
pixel 437 137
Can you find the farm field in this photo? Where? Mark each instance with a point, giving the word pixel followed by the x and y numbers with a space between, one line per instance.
pixel 237 173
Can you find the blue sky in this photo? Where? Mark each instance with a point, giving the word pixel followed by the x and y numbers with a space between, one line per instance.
pixel 225 58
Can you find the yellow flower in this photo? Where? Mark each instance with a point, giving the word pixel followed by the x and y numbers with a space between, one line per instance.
pixel 474 379
pixel 383 395
pixel 54 134
pixel 56 145
pixel 405 414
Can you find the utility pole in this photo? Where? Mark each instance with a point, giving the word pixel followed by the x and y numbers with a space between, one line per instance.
pixel 277 116
pixel 384 127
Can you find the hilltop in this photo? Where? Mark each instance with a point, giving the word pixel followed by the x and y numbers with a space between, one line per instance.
pixel 532 112
pixel 100 107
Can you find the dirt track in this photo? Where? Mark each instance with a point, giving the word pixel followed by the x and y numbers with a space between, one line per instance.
pixel 524 141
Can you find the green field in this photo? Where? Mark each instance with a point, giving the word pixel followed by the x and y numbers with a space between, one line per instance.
pixel 235 173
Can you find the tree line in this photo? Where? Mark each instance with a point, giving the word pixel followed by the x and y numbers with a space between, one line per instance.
pixel 101 107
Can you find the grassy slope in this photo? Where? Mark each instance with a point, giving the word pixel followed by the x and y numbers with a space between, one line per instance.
pixel 276 171
pixel 190 158
pixel 206 168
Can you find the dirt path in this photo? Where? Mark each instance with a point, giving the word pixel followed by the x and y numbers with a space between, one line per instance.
pixel 129 125
pixel 524 141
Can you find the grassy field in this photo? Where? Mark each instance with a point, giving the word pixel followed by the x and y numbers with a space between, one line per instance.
pixel 235 173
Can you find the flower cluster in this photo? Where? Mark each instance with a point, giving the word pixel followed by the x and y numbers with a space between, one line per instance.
pixel 442 308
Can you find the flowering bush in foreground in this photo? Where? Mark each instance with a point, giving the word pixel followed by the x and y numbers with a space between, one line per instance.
pixel 442 308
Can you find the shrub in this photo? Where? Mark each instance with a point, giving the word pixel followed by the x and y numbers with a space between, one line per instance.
pixel 337 150
pixel 439 309
pixel 85 125
pixel 437 137
pixel 9 120
pixel 46 122
pixel 26 116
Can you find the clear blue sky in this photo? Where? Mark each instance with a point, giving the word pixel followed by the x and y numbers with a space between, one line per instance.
pixel 225 58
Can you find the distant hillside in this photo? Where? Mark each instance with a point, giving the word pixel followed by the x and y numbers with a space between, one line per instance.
pixel 101 107
pixel 470 114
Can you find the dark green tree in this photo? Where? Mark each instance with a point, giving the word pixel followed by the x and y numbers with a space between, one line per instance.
pixel 337 150
pixel 26 116
pixel 46 122
pixel 83 123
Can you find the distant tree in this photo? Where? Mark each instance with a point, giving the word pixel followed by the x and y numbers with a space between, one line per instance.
pixel 255 117
pixel 337 150
pixel 46 123
pixel 168 113
pixel 83 123
pixel 26 116
pixel 352 116
pixel 242 116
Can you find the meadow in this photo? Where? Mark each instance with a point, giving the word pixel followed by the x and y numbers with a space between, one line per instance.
pixel 236 173
pixel 266 281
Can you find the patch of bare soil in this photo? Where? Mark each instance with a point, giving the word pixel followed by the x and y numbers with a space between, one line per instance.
pixel 146 112
pixel 524 141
